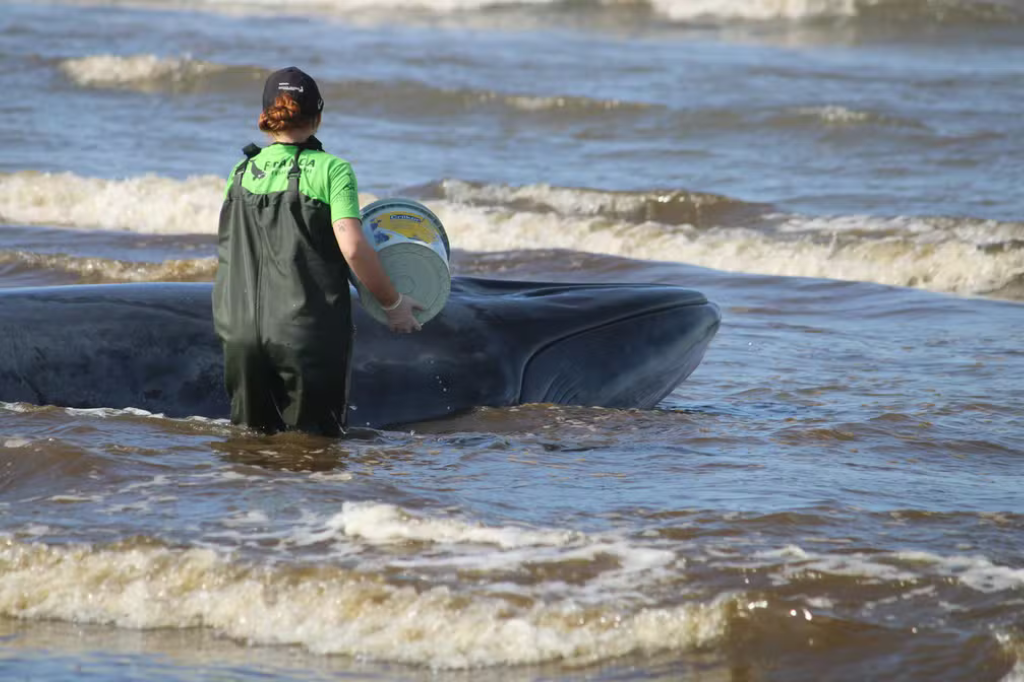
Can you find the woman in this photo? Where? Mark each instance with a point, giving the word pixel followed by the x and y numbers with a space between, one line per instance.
pixel 289 233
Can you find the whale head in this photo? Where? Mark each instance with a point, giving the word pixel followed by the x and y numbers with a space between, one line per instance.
pixel 608 345
pixel 500 343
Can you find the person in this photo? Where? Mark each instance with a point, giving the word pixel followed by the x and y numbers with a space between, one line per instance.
pixel 289 234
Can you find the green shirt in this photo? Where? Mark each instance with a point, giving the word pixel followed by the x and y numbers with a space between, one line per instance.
pixel 324 177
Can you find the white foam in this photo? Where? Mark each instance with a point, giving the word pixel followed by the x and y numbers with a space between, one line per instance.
pixel 352 10
pixel 147 204
pixel 1016 674
pixel 375 12
pixel 19 408
pixel 756 10
pixel 16 442
pixel 849 565
pixel 332 477
pixel 94 269
pixel 976 572
pixel 332 611
pixel 158 481
pixel 251 517
pixel 926 230
pixel 835 114
pixel 388 524
pixel 75 499
pixel 104 412
pixel 138 72
pixel 787 552
pixel 952 265
pixel 821 603
pixel 537 103
pixel 436 6
pixel 365 533
pixel 679 10
pixel 35 530
pixel 1015 647
pixel 941 254
pixel 574 201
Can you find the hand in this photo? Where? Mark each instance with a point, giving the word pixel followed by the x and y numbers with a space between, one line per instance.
pixel 401 319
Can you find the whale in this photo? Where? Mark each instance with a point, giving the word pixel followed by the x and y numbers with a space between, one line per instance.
pixel 497 343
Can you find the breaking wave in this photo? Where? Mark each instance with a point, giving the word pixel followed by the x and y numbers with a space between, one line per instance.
pixel 150 73
pixel 957 255
pixel 94 270
pixel 148 204
pixel 332 610
pixel 669 207
pixel 926 11
pixel 909 12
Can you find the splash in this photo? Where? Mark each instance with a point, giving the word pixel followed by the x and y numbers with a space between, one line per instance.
pixel 331 610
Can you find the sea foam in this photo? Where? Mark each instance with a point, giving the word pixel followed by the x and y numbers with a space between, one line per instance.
pixel 673 10
pixel 332 610
pixel 964 256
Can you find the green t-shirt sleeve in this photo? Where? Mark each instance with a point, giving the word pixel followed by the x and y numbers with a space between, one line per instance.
pixel 344 192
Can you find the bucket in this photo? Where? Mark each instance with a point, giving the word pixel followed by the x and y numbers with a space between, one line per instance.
pixel 414 250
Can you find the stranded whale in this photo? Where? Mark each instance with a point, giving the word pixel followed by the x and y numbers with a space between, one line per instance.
pixel 497 343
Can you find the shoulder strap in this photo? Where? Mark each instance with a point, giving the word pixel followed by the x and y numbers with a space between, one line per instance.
pixel 295 172
pixel 312 144
pixel 250 150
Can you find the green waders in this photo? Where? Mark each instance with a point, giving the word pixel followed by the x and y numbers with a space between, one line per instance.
pixel 281 308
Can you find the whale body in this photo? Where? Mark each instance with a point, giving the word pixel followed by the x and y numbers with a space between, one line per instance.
pixel 497 343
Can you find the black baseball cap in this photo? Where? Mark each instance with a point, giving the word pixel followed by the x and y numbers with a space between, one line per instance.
pixel 299 85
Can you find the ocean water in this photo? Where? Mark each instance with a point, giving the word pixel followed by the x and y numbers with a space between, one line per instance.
pixel 836 492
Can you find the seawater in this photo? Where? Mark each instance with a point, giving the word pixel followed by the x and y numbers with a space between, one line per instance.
pixel 835 492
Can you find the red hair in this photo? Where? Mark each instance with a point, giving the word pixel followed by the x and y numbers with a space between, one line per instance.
pixel 284 115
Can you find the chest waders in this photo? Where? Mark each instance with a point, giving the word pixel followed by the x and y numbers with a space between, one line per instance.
pixel 281 307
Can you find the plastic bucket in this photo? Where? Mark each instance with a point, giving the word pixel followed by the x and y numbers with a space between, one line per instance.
pixel 413 248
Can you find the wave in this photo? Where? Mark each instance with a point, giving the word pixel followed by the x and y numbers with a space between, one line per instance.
pixel 832 116
pixel 755 10
pixel 933 260
pixel 669 207
pixel 883 12
pixel 331 610
pixel 96 270
pixel 956 255
pixel 926 11
pixel 385 524
pixel 147 204
pixel 1013 645
pixel 150 73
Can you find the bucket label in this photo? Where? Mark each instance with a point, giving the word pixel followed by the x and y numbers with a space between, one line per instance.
pixel 407 225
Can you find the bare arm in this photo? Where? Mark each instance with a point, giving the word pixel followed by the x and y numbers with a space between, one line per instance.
pixel 363 260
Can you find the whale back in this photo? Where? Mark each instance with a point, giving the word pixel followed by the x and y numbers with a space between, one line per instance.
pixel 151 346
